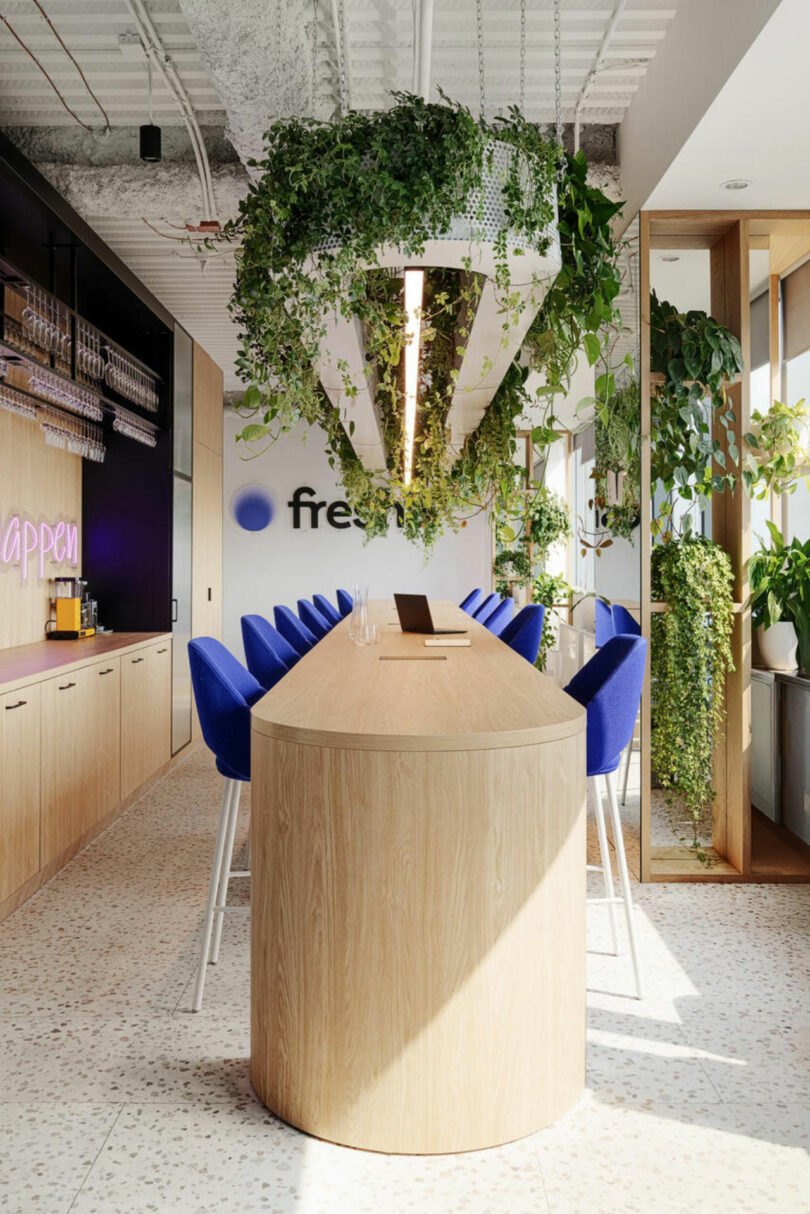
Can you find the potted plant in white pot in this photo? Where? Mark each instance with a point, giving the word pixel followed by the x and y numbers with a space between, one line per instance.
pixel 780 602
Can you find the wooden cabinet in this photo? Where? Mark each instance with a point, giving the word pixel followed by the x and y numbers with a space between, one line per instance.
pixel 146 679
pixel 19 787
pixel 208 400
pixel 206 565
pixel 80 753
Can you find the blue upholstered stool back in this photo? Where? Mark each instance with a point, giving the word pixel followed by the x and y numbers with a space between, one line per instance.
pixel 261 653
pixel 472 601
pixel 329 613
pixel 524 632
pixel 345 602
pixel 293 630
pixel 604 623
pixel 624 624
pixel 609 687
pixel 224 693
pixel 312 619
pixel 486 608
pixel 500 617
pixel 273 638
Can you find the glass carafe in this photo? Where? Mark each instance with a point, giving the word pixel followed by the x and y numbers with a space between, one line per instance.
pixel 359 630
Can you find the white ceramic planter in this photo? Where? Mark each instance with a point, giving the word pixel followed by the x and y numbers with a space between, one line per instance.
pixel 778 645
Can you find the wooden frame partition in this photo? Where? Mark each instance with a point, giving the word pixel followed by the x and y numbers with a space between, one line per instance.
pixel 728 236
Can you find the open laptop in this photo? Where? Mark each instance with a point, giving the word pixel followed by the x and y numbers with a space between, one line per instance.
pixel 414 616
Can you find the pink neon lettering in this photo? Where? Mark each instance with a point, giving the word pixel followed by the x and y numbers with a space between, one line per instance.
pixel 45 545
pixel 29 546
pixel 58 537
pixel 11 540
pixel 24 543
pixel 72 553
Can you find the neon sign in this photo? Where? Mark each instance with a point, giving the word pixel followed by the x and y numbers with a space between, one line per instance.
pixel 25 544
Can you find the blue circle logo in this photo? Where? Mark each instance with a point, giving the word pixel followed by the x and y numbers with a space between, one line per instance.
pixel 253 507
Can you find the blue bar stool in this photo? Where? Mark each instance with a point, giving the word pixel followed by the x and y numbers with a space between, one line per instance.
pixel 500 617
pixel 329 613
pixel 291 628
pixel 345 602
pixel 261 654
pixel 224 693
pixel 472 601
pixel 624 624
pixel 604 623
pixel 312 619
pixel 525 631
pixel 609 687
pixel 486 608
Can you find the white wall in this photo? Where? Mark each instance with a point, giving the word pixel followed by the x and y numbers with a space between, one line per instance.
pixel 280 565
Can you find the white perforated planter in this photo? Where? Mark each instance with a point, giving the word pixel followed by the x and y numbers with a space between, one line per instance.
pixel 469 243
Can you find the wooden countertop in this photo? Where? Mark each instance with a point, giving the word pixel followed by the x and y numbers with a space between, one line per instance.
pixel 481 697
pixel 26 664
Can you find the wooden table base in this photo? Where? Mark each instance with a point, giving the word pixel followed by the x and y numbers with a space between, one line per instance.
pixel 418 940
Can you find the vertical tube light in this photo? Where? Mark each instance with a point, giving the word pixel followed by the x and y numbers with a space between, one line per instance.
pixel 414 285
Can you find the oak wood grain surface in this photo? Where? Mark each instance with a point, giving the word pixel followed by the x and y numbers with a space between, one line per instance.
pixel 418 899
pixel 24 664
pixel 486 695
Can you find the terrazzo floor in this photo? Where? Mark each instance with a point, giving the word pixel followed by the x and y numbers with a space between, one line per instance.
pixel 115 1097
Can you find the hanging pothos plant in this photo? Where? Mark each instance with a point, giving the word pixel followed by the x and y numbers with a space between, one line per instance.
pixel 697 357
pixel 327 198
pixel 690 657
pixel 617 466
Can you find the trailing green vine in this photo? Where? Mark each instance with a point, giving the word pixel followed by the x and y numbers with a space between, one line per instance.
pixel 617 466
pixel 690 657
pixel 697 357
pixel 327 198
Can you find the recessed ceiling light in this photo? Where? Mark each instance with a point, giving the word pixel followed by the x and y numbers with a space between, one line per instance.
pixel 736 183
pixel 670 257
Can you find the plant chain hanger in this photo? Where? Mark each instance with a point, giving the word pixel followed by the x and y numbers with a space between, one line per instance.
pixel 464 205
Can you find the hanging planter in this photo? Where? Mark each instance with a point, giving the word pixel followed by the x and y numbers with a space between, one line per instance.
pixel 343 219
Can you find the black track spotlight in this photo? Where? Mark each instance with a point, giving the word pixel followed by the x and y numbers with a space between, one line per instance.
pixel 150 134
pixel 150 143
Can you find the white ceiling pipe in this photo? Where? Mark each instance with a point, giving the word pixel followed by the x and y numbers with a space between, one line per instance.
pixel 425 46
pixel 598 63
pixel 156 51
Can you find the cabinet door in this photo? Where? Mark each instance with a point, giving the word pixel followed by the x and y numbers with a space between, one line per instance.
pixel 206 615
pixel 146 687
pixel 80 753
pixel 19 788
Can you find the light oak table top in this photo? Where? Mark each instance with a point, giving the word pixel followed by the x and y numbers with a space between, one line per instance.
pixel 25 664
pixel 343 695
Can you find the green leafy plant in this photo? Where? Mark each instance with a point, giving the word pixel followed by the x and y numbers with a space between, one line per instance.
pixel 617 469
pixel 326 198
pixel 697 357
pixel 512 567
pixel 776 459
pixel 780 588
pixel 690 657
pixel 550 589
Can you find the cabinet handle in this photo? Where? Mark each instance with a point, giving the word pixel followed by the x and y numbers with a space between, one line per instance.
pixel 175 610
pixel 162 651
pixel 135 661
pixel 209 594
pixel 66 686
pixel 19 704
pixel 109 670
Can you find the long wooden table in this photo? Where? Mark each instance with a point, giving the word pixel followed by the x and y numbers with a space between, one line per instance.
pixel 418 893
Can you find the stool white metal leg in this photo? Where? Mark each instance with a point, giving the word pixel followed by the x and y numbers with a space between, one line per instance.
pixel 624 878
pixel 628 758
pixel 225 873
pixel 605 867
pixel 229 791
